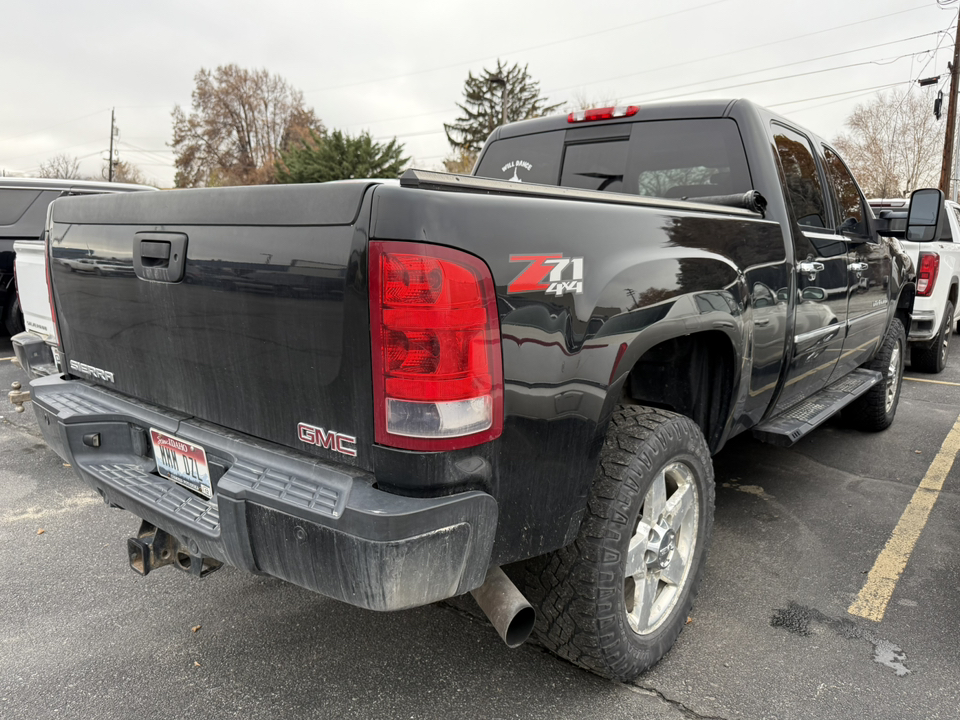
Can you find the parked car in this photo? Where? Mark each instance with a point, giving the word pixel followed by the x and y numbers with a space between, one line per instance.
pixel 23 211
pixel 936 311
pixel 500 371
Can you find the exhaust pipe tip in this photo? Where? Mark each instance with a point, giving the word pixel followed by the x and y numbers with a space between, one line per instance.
pixel 505 607
pixel 520 628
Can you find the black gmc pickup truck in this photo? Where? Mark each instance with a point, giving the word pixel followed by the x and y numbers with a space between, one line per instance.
pixel 386 392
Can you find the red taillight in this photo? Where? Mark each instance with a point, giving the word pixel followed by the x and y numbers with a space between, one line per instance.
pixel 927 273
pixel 437 362
pixel 606 113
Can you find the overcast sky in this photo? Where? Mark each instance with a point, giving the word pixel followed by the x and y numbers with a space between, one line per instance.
pixel 398 67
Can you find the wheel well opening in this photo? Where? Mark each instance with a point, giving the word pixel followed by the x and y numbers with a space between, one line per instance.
pixel 953 294
pixel 905 306
pixel 691 375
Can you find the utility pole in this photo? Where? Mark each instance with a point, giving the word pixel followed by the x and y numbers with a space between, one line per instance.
pixel 951 118
pixel 504 99
pixel 504 96
pixel 110 159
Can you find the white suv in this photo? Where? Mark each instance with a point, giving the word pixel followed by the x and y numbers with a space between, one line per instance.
pixel 936 311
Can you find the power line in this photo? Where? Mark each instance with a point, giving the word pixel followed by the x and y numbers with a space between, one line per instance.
pixel 140 149
pixel 54 152
pixel 50 127
pixel 520 50
pixel 149 154
pixel 832 102
pixel 761 82
pixel 748 49
pixel 847 92
pixel 705 59
pixel 707 90
pixel 727 87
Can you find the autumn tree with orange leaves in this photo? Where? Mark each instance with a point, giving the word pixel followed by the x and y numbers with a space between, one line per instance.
pixel 239 124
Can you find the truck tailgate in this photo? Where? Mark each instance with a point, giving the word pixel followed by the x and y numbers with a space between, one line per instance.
pixel 32 287
pixel 262 333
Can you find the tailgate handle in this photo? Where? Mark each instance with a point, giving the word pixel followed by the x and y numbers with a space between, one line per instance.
pixel 154 253
pixel 160 257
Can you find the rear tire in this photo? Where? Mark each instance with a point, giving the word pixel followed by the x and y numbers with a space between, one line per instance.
pixel 875 409
pixel 933 359
pixel 12 318
pixel 615 600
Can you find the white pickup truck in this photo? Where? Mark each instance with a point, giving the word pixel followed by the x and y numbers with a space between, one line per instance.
pixel 23 211
pixel 936 312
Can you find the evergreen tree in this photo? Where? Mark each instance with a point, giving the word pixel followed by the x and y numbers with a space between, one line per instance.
pixel 337 156
pixel 506 93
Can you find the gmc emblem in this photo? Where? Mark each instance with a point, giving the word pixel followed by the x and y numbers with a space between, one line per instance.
pixel 329 439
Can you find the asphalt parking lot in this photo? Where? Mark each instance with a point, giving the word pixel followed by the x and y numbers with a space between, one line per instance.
pixel 797 537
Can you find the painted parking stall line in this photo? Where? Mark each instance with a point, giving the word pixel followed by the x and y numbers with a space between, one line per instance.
pixel 872 601
pixel 933 382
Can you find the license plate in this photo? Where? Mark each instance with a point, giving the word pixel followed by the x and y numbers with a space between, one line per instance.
pixel 182 462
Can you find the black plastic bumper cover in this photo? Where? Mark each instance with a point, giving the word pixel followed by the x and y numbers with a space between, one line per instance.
pixel 34 355
pixel 317 525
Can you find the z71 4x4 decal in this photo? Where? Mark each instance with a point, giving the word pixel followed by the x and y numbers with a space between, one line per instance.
pixel 551 274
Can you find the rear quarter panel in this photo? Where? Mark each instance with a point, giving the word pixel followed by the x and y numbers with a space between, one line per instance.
pixel 648 275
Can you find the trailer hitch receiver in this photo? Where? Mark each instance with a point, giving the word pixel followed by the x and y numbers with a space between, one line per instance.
pixel 153 548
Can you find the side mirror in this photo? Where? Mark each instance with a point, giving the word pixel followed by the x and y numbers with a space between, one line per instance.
pixel 849 225
pixel 925 216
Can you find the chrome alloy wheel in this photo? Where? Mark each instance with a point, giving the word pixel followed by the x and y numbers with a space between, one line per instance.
pixel 893 377
pixel 662 547
pixel 945 347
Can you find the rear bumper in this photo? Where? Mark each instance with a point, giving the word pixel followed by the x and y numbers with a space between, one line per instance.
pixel 34 354
pixel 923 326
pixel 320 526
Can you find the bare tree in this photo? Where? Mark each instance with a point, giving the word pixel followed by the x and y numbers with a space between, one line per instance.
pixel 461 162
pixel 240 122
pixel 125 172
pixel 894 144
pixel 63 166
pixel 584 101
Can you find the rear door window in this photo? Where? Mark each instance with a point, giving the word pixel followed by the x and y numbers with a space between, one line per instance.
pixel 804 190
pixel 852 214
pixel 527 158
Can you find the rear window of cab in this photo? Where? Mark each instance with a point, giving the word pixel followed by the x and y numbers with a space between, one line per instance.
pixel 665 158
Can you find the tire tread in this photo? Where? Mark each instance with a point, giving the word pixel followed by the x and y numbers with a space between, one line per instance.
pixel 869 412
pixel 574 588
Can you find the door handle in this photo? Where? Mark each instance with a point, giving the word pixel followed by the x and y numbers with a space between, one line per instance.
pixel 859 267
pixel 810 269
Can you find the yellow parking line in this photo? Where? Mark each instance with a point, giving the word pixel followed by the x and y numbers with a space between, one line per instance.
pixel 9 358
pixel 872 601
pixel 935 382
